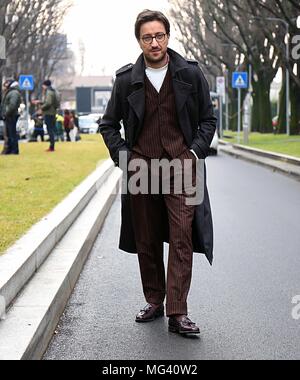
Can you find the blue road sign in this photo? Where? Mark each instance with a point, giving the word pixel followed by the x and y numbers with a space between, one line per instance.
pixel 26 82
pixel 240 79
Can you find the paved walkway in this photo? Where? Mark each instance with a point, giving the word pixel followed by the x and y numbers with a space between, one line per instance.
pixel 243 303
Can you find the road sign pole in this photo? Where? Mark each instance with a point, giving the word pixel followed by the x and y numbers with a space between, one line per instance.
pixel 227 111
pixel 239 115
pixel 221 115
pixel 27 113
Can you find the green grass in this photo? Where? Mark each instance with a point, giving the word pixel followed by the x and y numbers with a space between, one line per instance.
pixel 34 182
pixel 267 141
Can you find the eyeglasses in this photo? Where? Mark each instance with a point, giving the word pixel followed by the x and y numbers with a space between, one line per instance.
pixel 160 37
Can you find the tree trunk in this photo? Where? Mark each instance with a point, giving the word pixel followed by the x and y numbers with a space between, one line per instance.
pixel 295 106
pixel 255 119
pixel 282 105
pixel 265 108
pixel 261 110
pixel 232 109
pixel 265 114
pixel 295 109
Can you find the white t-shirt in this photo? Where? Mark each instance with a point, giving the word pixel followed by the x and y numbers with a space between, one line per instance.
pixel 157 76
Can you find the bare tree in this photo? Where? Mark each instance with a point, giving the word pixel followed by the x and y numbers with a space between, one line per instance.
pixel 31 29
pixel 279 14
pixel 211 24
pixel 216 56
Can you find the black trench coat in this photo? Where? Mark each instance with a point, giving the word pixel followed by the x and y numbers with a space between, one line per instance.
pixel 196 121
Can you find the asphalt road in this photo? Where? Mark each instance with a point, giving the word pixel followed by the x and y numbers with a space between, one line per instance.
pixel 243 304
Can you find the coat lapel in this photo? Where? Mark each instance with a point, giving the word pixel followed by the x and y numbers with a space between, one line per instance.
pixel 136 101
pixel 182 91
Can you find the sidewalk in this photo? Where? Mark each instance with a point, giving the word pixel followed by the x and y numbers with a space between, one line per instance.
pixel 39 272
pixel 277 162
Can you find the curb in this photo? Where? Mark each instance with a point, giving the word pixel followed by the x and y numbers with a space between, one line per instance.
pixel 31 320
pixel 23 259
pixel 284 164
pixel 268 154
pixel 263 153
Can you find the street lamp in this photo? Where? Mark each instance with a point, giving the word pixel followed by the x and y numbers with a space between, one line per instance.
pixel 287 53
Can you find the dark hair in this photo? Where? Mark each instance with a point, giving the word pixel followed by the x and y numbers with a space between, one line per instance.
pixel 47 83
pixel 147 16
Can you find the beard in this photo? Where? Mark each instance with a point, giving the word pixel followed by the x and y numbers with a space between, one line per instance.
pixel 158 59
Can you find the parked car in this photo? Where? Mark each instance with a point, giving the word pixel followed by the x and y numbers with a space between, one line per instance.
pixel 88 123
pixel 275 121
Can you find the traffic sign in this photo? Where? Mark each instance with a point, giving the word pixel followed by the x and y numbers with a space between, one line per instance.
pixel 240 79
pixel 221 86
pixel 26 82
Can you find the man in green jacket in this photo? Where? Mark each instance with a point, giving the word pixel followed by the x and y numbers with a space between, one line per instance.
pixel 10 106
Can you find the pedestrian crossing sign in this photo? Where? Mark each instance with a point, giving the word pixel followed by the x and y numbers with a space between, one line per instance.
pixel 26 82
pixel 240 79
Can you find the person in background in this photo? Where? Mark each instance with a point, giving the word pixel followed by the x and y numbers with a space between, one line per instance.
pixel 38 119
pixel 67 118
pixel 76 125
pixel 10 106
pixel 59 127
pixel 5 138
pixel 49 106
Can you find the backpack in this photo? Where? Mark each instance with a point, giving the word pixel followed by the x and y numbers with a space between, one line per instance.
pixel 57 99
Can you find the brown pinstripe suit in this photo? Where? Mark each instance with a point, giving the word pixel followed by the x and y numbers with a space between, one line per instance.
pixel 162 137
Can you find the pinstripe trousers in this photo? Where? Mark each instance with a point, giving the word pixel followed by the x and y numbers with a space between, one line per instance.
pixel 147 213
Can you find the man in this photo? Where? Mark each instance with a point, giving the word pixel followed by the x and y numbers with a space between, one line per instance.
pixel 38 119
pixel 10 106
pixel 49 108
pixel 165 106
pixel 5 139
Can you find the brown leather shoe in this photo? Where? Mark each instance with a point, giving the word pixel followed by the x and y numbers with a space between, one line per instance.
pixel 149 313
pixel 183 325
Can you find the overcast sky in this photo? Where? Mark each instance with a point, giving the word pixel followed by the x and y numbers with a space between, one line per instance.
pixel 106 28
